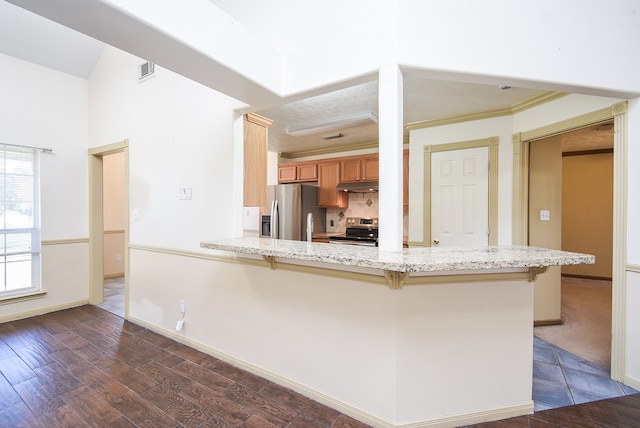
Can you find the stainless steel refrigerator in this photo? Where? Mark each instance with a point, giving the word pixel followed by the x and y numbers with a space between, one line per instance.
pixel 290 206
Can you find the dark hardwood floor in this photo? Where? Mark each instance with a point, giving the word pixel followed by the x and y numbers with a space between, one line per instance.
pixel 87 367
pixel 621 412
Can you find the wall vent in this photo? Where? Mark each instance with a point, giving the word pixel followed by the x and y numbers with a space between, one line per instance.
pixel 145 71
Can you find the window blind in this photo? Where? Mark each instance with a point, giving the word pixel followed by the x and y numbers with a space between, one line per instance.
pixel 19 220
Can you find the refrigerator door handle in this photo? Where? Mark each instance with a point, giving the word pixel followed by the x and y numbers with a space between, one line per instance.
pixel 274 219
pixel 309 227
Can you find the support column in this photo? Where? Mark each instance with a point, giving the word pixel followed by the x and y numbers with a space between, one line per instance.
pixel 390 124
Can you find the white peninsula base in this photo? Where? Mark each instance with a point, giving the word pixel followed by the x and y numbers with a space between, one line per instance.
pixel 456 350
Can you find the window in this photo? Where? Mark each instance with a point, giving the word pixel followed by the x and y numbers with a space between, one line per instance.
pixel 19 221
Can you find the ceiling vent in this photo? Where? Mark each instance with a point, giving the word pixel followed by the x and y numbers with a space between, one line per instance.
pixel 145 71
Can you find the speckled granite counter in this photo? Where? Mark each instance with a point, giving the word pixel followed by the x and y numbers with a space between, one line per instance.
pixel 416 259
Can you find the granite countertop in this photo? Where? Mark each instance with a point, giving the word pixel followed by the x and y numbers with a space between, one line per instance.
pixel 415 259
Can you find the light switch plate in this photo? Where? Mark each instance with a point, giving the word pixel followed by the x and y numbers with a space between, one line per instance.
pixel 184 193
pixel 544 215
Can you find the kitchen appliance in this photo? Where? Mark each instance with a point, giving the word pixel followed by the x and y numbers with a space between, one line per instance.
pixel 360 231
pixel 289 207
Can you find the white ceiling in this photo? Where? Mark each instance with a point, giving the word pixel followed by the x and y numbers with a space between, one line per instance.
pixel 32 38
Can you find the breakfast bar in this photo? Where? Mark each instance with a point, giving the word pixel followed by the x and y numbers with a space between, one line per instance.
pixel 421 337
pixel 417 260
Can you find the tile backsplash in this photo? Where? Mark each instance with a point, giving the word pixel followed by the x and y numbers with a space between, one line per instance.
pixel 360 205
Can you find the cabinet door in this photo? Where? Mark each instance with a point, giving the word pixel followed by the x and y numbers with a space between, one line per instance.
pixel 350 170
pixel 328 178
pixel 308 172
pixel 370 165
pixel 286 173
pixel 255 164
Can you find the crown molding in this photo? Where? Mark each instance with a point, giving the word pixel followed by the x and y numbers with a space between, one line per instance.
pixel 335 150
pixel 449 120
pixel 258 120
pixel 328 151
pixel 532 102
pixel 543 98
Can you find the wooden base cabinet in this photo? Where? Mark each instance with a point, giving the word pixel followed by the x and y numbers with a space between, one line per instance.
pixel 328 179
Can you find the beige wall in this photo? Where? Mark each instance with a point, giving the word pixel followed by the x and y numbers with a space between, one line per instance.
pixel 545 193
pixel 114 215
pixel 587 211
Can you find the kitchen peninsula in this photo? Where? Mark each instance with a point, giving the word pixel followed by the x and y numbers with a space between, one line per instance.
pixel 341 324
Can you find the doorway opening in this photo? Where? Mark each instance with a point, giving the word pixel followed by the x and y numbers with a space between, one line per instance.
pixel 114 218
pixel 109 227
pixel 578 216
pixel 561 376
pixel 520 219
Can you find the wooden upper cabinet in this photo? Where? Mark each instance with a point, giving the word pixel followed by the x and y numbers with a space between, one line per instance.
pixel 297 172
pixel 328 178
pixel 308 171
pixel 359 168
pixel 370 168
pixel 287 173
pixel 255 160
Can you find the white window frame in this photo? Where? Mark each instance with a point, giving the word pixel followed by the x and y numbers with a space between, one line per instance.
pixel 34 251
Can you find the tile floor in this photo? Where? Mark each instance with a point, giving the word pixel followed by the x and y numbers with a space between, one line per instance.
pixel 114 296
pixel 562 379
pixel 559 377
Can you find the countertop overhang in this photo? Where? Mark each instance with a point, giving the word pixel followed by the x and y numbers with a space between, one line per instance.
pixel 415 259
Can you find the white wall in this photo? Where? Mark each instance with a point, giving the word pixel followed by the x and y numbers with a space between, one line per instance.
pixel 180 134
pixel 561 109
pixel 633 246
pixel 550 44
pixel 633 179
pixel 45 108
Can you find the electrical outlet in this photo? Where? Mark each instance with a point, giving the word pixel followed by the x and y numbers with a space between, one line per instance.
pixel 182 304
pixel 184 193
pixel 118 258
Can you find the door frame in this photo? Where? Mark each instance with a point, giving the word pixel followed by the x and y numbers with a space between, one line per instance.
pixel 96 221
pixel 492 143
pixel 520 217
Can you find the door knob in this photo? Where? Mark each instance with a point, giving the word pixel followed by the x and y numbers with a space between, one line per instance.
pixel 436 241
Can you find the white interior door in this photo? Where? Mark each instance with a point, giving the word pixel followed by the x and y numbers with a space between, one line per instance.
pixel 460 197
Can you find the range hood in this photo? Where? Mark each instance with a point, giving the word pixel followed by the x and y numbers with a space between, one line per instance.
pixel 359 187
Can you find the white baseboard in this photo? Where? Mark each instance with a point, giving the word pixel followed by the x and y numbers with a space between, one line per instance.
pixel 474 417
pixel 42 311
pixel 633 383
pixel 341 406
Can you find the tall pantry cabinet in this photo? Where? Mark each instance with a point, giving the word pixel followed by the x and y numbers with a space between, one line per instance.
pixel 255 160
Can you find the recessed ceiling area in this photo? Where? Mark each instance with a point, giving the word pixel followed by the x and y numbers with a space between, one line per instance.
pixel 424 99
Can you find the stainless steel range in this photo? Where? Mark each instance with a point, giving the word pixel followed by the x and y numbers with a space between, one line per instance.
pixel 360 231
